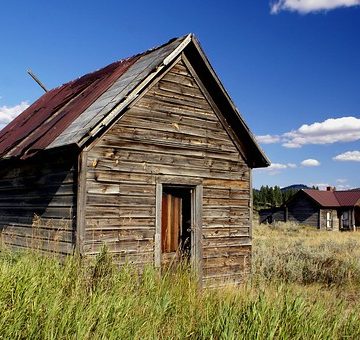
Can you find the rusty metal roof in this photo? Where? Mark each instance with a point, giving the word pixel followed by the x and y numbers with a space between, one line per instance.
pixel 348 198
pixel 333 199
pixel 46 119
pixel 109 104
pixel 324 198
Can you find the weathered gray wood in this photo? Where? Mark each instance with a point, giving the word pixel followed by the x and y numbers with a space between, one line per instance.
pixel 157 250
pixel 303 210
pixel 40 232
pixel 81 202
pixel 198 215
pixel 53 246
pixel 251 209
pixel 232 135
pixel 171 135
pixel 37 202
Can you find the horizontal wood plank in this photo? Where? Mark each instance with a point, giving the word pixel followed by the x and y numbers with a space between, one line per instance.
pixel 171 135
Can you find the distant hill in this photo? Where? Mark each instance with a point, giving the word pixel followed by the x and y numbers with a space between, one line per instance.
pixel 295 187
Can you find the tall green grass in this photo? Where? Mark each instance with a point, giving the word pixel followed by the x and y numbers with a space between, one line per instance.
pixel 41 298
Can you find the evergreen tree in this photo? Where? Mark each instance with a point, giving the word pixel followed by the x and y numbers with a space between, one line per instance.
pixel 262 197
pixel 268 197
pixel 255 199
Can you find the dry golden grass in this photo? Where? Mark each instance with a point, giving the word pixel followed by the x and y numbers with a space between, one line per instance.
pixel 291 253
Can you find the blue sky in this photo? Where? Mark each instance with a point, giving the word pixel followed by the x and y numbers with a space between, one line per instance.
pixel 292 67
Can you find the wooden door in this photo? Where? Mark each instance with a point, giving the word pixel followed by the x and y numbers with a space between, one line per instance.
pixel 171 228
pixel 178 225
pixel 171 222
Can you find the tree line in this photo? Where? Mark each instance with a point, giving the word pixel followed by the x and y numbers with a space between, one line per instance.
pixel 268 197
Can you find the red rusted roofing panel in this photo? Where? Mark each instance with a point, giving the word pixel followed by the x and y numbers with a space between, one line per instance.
pixel 51 114
pixel 334 198
pixel 324 198
pixel 347 198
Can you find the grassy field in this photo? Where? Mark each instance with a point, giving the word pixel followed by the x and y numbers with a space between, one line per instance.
pixel 304 286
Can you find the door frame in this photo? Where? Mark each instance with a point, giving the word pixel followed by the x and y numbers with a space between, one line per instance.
pixel 196 212
pixel 329 220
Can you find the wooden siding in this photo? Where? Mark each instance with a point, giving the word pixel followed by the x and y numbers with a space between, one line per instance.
pixel 303 210
pixel 349 223
pixel 37 202
pixel 334 222
pixel 270 215
pixel 171 131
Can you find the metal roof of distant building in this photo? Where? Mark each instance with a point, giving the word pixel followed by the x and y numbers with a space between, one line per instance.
pixel 324 198
pixel 347 198
pixel 334 199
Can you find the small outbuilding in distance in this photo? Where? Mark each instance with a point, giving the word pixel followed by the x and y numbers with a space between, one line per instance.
pixel 324 209
pixel 148 156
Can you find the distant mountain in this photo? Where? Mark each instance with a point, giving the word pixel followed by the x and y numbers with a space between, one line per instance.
pixel 295 187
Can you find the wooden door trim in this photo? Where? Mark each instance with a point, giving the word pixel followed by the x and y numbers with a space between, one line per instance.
pixel 197 202
pixel 158 214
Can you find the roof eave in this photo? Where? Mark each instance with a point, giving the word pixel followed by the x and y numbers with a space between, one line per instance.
pixel 256 157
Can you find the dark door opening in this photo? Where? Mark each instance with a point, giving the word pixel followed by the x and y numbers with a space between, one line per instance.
pixel 176 224
pixel 357 217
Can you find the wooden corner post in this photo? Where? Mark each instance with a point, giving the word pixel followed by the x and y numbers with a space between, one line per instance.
pixel 81 202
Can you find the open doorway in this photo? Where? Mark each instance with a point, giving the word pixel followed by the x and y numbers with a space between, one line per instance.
pixel 176 224
pixel 357 217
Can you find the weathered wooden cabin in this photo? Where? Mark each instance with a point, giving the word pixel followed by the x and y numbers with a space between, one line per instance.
pixel 148 156
pixel 330 209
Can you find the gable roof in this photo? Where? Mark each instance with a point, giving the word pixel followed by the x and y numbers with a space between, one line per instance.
pixel 334 198
pixel 48 117
pixel 77 111
pixel 347 198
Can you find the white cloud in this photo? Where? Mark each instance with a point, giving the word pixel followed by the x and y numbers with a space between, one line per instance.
pixel 352 156
pixel 310 162
pixel 307 6
pixel 275 168
pixel 345 129
pixel 343 187
pixel 332 130
pixel 321 186
pixel 8 113
pixel 339 186
pixel 268 139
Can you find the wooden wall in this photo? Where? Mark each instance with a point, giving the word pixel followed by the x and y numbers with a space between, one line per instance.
pixel 270 215
pixel 37 202
pixel 335 222
pixel 351 218
pixel 303 210
pixel 171 131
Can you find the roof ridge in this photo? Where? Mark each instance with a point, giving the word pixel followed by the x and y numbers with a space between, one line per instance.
pixel 51 114
pixel 118 62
